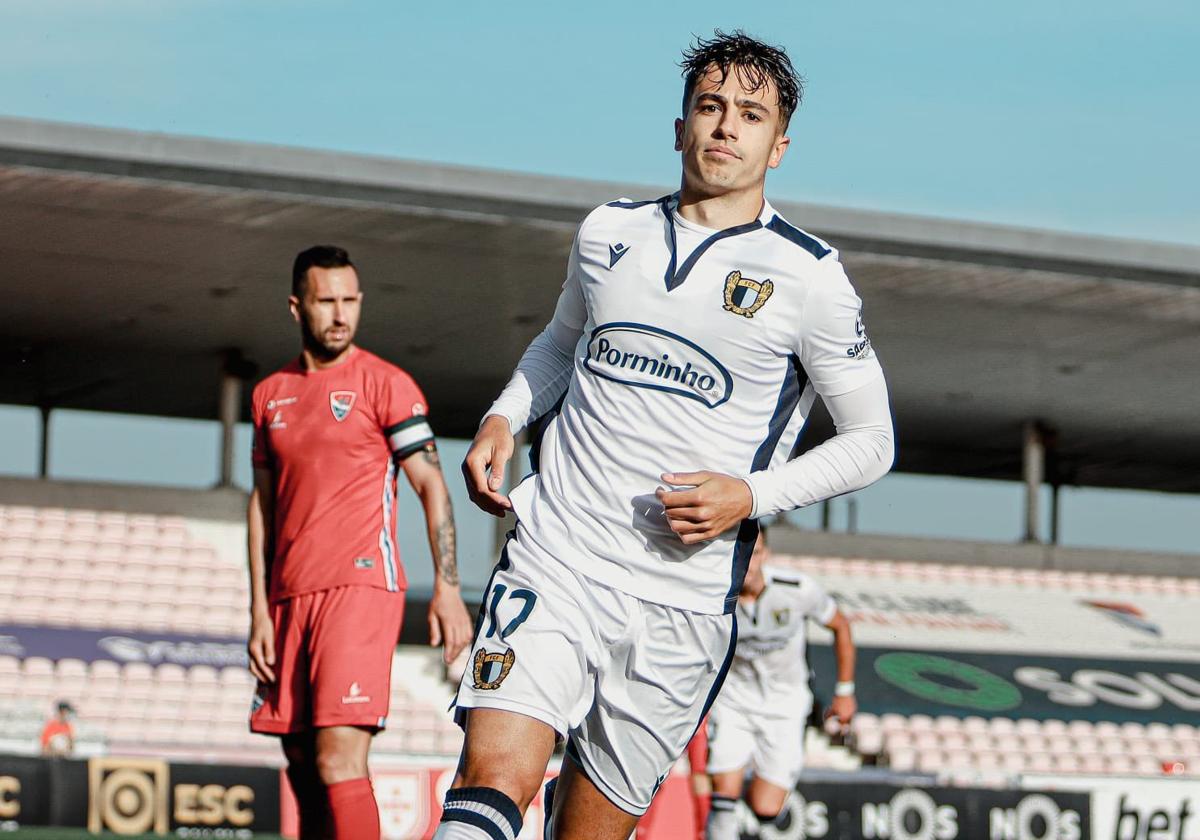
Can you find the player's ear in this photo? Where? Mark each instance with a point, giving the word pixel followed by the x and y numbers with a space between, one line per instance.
pixel 781 144
pixel 679 135
pixel 294 307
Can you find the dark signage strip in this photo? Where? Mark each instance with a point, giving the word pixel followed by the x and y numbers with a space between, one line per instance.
pixel 24 641
pixel 139 795
pixel 884 812
pixel 962 683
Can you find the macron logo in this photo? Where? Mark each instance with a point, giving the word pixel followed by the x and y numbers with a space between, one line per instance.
pixel 615 252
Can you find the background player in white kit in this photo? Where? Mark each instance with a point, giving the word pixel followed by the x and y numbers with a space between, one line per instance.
pixel 758 718
pixel 691 338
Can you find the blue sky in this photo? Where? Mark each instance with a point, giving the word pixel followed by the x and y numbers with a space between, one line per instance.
pixel 1070 115
pixel 1066 114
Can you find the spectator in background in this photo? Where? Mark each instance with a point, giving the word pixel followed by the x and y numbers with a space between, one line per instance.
pixel 58 735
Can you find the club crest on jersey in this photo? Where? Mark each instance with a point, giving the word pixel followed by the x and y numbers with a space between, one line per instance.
pixel 744 296
pixel 781 616
pixel 340 403
pixel 491 668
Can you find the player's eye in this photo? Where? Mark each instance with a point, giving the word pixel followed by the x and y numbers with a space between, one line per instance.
pixel 753 117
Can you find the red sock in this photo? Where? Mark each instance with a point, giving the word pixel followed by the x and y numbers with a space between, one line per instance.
pixel 354 815
pixel 701 802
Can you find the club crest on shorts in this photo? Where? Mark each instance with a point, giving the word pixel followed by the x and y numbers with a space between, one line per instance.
pixel 491 668
pixel 340 403
pixel 744 296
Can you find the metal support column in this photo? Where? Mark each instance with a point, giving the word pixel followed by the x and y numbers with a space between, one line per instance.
pixel 44 454
pixel 228 407
pixel 1033 472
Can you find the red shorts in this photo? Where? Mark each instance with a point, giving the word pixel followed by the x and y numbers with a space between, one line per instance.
pixel 333 660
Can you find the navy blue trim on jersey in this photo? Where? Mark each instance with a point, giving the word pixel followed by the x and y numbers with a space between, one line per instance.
pixel 674 278
pixel 799 237
pixel 540 427
pixel 721 674
pixel 747 536
pixel 633 205
pixel 794 383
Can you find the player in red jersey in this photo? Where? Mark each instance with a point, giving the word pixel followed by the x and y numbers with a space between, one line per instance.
pixel 326 585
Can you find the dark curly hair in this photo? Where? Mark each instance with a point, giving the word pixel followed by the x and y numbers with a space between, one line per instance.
pixel 757 64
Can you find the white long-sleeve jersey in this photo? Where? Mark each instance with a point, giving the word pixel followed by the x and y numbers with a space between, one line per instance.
pixel 674 348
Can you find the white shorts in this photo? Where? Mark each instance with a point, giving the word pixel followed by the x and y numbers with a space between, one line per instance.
pixel 625 680
pixel 773 746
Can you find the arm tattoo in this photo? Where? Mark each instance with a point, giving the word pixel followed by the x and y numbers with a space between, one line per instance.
pixel 431 456
pixel 447 565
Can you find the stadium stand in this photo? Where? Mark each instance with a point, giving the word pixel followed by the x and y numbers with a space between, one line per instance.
pixel 147 574
pixel 140 573
pixel 974 749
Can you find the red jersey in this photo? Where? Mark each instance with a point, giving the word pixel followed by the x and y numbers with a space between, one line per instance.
pixel 332 438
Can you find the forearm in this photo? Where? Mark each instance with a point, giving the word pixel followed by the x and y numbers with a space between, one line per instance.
pixel 258 537
pixel 540 379
pixel 859 454
pixel 844 653
pixel 439 521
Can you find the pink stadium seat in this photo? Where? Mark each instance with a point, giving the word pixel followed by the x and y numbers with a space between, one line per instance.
pixel 953 741
pixel 1145 765
pixel 1067 763
pixel 981 742
pixel 1132 730
pixel 930 761
pixel 920 723
pixel 1052 726
pixel 1002 726
pixel 1112 745
pixel 1107 729
pixel 975 725
pixel 902 760
pixel 1040 762
pixel 1028 726
pixel 926 741
pixel 1119 765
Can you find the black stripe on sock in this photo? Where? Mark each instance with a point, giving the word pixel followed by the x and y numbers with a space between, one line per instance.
pixel 491 798
pixel 478 820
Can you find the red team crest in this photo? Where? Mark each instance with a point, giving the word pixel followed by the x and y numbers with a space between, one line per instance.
pixel 340 403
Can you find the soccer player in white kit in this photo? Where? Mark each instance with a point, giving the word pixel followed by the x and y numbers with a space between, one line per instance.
pixel 758 718
pixel 692 335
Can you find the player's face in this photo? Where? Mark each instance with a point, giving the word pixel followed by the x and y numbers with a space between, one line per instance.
pixel 753 582
pixel 730 135
pixel 328 314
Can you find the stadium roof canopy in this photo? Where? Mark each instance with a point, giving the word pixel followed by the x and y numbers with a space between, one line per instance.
pixel 132 263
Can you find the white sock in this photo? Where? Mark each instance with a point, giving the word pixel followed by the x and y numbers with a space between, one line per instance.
pixel 722 819
pixel 478 814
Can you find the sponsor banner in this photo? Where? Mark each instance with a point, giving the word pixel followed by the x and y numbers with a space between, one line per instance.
pixel 24 792
pixel 1135 809
pixel 120 646
pixel 140 796
pixel 885 812
pixel 1006 618
pixel 410 803
pixel 960 683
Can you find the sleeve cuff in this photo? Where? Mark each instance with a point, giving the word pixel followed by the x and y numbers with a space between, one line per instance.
pixel 753 498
